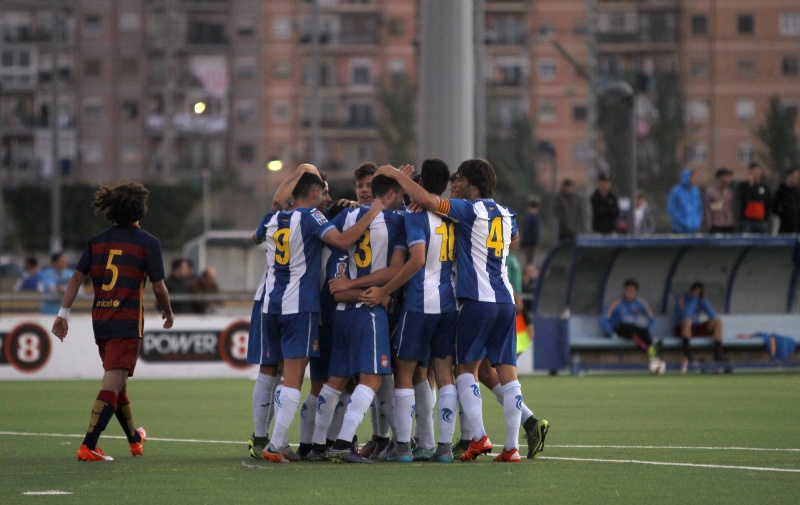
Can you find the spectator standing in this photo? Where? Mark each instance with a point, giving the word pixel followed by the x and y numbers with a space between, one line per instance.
pixel 54 281
pixel 754 200
pixel 786 204
pixel 644 222
pixel 531 227
pixel 685 206
pixel 178 284
pixel 31 277
pixel 205 284
pixel 718 204
pixel 569 211
pixel 605 208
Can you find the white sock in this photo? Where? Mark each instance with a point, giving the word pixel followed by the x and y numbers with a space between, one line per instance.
pixel 463 422
pixel 338 417
pixel 469 393
pixel 262 401
pixel 424 399
pixel 512 409
pixel 498 393
pixel 287 400
pixel 276 386
pixel 325 408
pixel 403 412
pixel 356 408
pixel 308 414
pixel 383 400
pixel 448 404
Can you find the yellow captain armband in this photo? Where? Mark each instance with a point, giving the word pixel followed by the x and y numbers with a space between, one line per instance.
pixel 442 206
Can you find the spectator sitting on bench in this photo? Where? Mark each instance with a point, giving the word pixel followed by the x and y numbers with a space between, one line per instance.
pixel 630 317
pixel 695 317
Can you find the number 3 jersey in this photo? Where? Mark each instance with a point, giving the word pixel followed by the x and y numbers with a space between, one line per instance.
pixel 373 251
pixel 294 248
pixel 119 260
pixel 431 289
pixel 484 231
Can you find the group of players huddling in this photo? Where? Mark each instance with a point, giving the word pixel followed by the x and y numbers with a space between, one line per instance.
pixel 333 278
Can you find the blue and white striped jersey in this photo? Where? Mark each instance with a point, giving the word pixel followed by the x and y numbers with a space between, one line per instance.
pixel 484 230
pixel 373 251
pixel 294 246
pixel 431 290
pixel 334 265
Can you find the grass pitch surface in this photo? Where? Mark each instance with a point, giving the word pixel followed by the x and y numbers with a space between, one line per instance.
pixel 613 439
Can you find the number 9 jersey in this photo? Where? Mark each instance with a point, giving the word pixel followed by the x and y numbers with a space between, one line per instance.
pixel 119 260
pixel 484 231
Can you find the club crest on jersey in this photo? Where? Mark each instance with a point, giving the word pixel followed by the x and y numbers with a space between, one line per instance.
pixel 315 346
pixel 384 361
pixel 316 214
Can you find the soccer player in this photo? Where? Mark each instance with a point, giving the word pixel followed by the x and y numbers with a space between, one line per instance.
pixel 695 317
pixel 361 333
pixel 486 320
pixel 119 261
pixel 630 317
pixel 291 303
pixel 426 331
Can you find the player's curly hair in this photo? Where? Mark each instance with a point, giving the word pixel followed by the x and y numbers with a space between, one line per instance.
pixel 123 204
pixel 479 173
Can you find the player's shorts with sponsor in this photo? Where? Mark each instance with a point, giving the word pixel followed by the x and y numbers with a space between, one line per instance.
pixel 360 342
pixel 489 326
pixel 293 335
pixel 319 366
pixel 698 330
pixel 116 353
pixel 420 336
pixel 257 342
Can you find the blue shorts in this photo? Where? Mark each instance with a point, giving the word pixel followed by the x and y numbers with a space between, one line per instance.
pixel 293 335
pixel 420 336
pixel 319 366
pixel 486 326
pixel 257 342
pixel 360 342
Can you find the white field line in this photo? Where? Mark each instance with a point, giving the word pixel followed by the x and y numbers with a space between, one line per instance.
pixel 555 458
pixel 664 463
pixel 50 492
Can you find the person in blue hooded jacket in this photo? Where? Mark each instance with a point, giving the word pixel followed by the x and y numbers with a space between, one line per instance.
pixel 685 204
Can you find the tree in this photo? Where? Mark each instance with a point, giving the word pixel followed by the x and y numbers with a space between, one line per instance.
pixel 512 154
pixel 667 132
pixel 778 135
pixel 396 96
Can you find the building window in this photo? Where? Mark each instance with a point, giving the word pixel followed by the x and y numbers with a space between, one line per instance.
pixel 789 65
pixel 699 153
pixel 129 153
pixel 92 108
pixel 93 67
pixel 360 74
pixel 281 112
pixel 282 69
pixel 790 24
pixel 698 67
pixel 745 24
pixel 745 67
pixel 129 22
pixel 790 110
pixel 92 24
pixel 744 154
pixel 245 110
pixel 360 115
pixel 546 68
pixel 745 109
pixel 546 112
pixel 699 25
pixel 580 112
pixel 245 67
pixel 206 32
pixel 129 65
pixel 697 110
pixel 246 153
pixel 397 27
pixel 130 109
pixel 547 30
pixel 92 151
pixel 281 27
pixel 506 29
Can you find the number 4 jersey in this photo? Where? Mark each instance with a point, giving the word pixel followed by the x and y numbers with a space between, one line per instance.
pixel 119 261
pixel 484 231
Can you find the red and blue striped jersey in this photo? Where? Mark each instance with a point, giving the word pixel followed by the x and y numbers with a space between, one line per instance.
pixel 119 261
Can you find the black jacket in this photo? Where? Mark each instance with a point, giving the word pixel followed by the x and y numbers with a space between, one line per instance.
pixel 605 212
pixel 786 205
